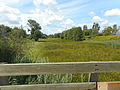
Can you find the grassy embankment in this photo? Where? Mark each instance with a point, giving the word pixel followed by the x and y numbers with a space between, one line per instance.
pixel 102 48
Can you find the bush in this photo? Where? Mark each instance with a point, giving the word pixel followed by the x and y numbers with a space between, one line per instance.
pixel 75 34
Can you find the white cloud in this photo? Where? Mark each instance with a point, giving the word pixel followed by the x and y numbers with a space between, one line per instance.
pixel 9 15
pixel 12 16
pixel 112 23
pixel 92 13
pixel 72 3
pixel 46 17
pixel 70 11
pixel 9 1
pixel 49 14
pixel 51 17
pixel 66 24
pixel 44 2
pixel 7 10
pixel 37 2
pixel 107 23
pixel 88 25
pixel 112 12
pixel 97 19
pixel 69 22
pixel 103 22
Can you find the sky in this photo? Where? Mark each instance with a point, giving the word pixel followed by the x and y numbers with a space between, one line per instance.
pixel 55 16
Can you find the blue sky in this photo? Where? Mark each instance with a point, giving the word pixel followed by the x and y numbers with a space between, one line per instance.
pixel 57 15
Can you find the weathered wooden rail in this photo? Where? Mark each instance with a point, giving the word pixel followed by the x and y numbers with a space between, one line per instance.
pixel 56 68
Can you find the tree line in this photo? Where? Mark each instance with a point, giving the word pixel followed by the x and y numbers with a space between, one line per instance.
pixel 19 32
pixel 79 34
pixel 75 33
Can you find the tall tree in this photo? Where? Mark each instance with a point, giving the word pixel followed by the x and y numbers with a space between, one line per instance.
pixel 95 29
pixel 75 34
pixel 34 29
pixel 96 26
pixel 115 29
pixel 107 31
pixel 78 34
pixel 85 27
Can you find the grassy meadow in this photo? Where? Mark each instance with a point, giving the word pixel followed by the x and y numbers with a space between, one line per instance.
pixel 58 50
pixel 101 48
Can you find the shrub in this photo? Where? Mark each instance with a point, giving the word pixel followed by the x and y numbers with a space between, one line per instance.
pixel 75 34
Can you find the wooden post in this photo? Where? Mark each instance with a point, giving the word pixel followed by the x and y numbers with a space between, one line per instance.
pixel 114 85
pixel 93 77
pixel 3 79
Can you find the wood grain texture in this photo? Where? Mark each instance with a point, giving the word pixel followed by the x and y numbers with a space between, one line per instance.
pixel 58 68
pixel 113 85
pixel 4 80
pixel 71 86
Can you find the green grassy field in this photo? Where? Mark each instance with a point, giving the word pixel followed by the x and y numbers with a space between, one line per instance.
pixel 58 50
pixel 96 49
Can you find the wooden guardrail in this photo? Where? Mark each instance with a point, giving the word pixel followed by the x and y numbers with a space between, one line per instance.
pixel 56 68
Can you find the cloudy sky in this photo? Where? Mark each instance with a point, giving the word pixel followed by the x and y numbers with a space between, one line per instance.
pixel 57 15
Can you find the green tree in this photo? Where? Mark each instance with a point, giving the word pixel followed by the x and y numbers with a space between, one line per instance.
pixel 95 29
pixel 4 31
pixel 51 36
pixel 34 29
pixel 87 32
pixel 78 34
pixel 107 31
pixel 44 36
pixel 85 27
pixel 115 29
pixel 62 35
pixel 75 34
pixel 57 35
pixel 65 35
pixel 37 34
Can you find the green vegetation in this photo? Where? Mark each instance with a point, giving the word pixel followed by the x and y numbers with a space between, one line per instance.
pixel 73 45
pixel 34 29
pixel 79 34
pixel 58 50
pixel 95 49
pixel 75 34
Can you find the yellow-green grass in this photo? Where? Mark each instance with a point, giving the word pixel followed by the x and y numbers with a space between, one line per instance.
pixel 58 50
pixel 110 37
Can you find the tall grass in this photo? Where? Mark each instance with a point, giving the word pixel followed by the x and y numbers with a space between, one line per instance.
pixel 10 49
pixel 14 51
pixel 109 37
pixel 57 50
